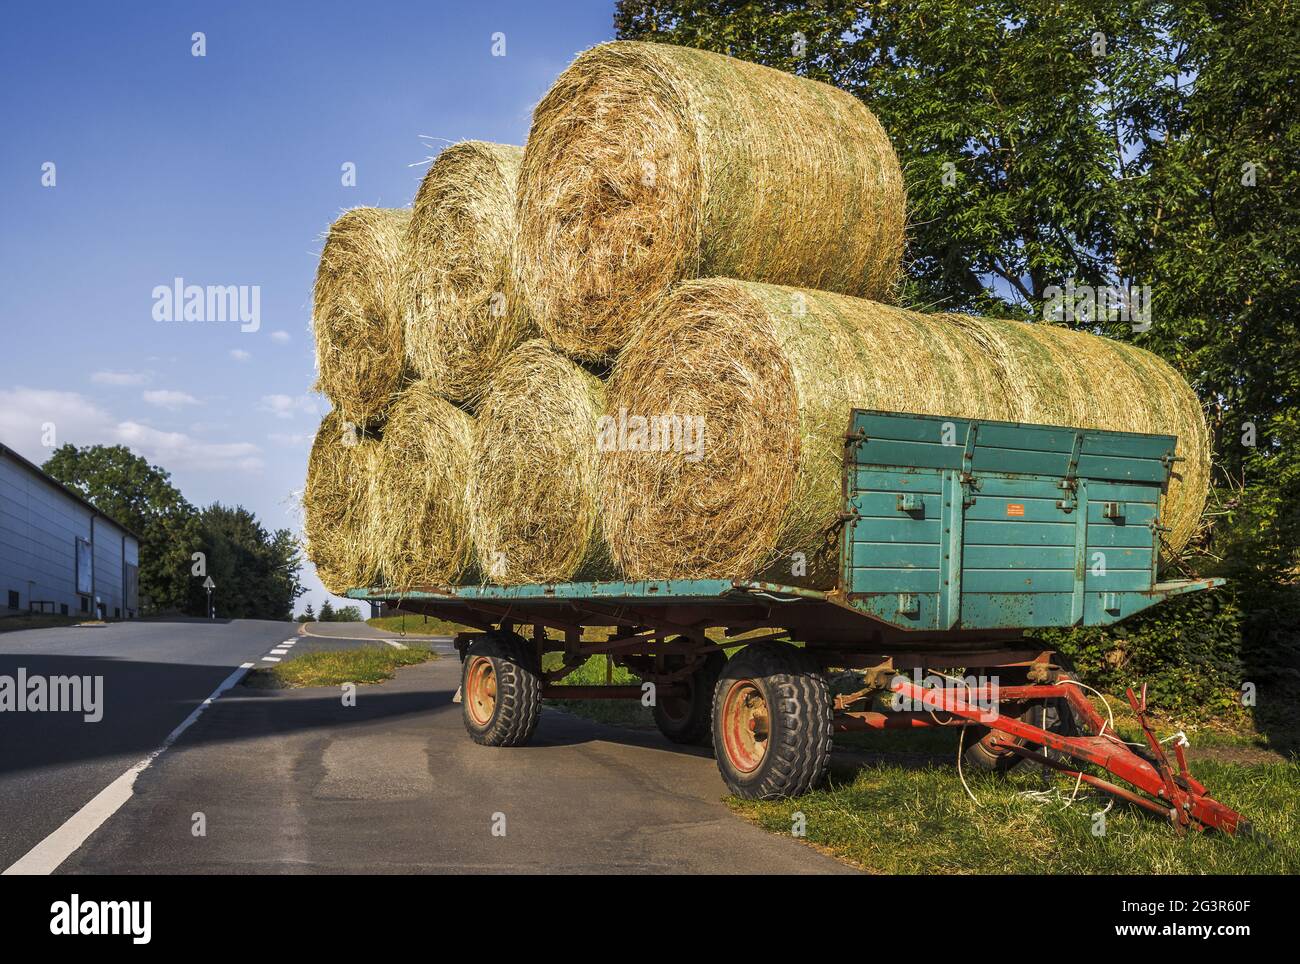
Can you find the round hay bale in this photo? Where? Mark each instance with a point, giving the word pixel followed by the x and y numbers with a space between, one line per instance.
pixel 771 374
pixel 533 491
pixel 357 312
pixel 648 163
pixel 420 526
pixel 461 314
pixel 1060 376
pixel 337 504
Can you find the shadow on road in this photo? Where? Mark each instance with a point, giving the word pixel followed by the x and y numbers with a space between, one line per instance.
pixel 137 713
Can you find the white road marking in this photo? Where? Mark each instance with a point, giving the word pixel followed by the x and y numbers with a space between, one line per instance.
pixel 46 856
pixel 279 652
pixel 270 659
pixel 395 644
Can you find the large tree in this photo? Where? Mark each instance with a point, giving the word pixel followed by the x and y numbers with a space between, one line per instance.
pixel 141 496
pixel 255 571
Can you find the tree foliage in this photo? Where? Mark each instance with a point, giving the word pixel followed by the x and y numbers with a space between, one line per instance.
pixel 255 571
pixel 142 497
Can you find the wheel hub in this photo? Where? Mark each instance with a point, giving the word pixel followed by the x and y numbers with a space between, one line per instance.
pixel 480 690
pixel 746 725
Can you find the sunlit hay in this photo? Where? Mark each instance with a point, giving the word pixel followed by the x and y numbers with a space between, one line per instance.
pixel 533 490
pixel 420 525
pixel 356 312
pixel 461 314
pixel 337 505
pixel 1061 376
pixel 774 371
pixel 648 164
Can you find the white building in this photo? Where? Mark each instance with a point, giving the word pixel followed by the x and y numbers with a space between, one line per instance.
pixel 58 553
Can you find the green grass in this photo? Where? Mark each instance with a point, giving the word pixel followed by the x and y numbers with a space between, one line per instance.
pixel 12 624
pixel 367 664
pixel 415 624
pixel 901 809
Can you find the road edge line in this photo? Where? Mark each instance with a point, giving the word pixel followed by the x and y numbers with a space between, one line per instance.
pixel 62 843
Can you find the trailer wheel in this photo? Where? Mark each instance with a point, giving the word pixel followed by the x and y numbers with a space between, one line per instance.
pixel 501 690
pixel 686 718
pixel 772 722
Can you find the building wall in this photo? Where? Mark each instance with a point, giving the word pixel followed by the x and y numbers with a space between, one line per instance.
pixel 39 526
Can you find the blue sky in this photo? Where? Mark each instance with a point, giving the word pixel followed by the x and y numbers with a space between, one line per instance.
pixel 222 170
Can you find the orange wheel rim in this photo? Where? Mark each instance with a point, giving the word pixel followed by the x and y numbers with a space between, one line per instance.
pixel 480 689
pixel 746 726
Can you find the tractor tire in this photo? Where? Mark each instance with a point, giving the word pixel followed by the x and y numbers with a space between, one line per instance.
pixel 501 690
pixel 687 718
pixel 772 722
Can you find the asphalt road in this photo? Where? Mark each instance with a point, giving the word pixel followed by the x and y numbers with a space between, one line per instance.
pixel 297 782
pixel 154 675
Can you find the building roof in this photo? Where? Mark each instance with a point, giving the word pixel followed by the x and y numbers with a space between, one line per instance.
pixel 69 492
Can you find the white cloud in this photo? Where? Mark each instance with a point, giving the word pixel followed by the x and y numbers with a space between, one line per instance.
pixel 166 398
pixel 239 355
pixel 120 378
pixel 25 414
pixel 291 439
pixel 286 406
pixel 282 337
pixel 182 451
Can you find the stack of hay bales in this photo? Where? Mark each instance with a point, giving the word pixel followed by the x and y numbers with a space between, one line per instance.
pixel 699 242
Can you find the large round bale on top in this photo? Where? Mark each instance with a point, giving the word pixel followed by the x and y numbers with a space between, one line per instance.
pixel 533 492
pixel 765 377
pixel 648 163
pixel 461 314
pixel 420 525
pixel 337 504
pixel 357 312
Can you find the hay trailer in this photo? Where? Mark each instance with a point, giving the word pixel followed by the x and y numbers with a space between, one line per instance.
pixel 957 538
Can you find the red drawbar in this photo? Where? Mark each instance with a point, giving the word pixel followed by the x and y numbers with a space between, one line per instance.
pixel 1177 795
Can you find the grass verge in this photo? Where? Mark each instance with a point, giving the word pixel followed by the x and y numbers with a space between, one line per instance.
pixel 415 624
pixel 367 664
pixel 901 809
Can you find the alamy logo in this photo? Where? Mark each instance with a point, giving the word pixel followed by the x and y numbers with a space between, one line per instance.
pixel 182 302
pixel 683 434
pixel 1088 304
pixel 53 694
pixel 130 917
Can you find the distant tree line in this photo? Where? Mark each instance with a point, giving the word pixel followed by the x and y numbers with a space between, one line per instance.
pixel 328 614
pixel 255 571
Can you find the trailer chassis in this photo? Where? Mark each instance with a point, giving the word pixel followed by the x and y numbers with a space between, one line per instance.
pixel 666 642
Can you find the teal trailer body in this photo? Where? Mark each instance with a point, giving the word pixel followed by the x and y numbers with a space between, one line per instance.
pixel 950 529
pixel 965 523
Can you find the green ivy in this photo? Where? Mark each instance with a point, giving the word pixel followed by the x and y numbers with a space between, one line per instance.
pixel 1188 652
